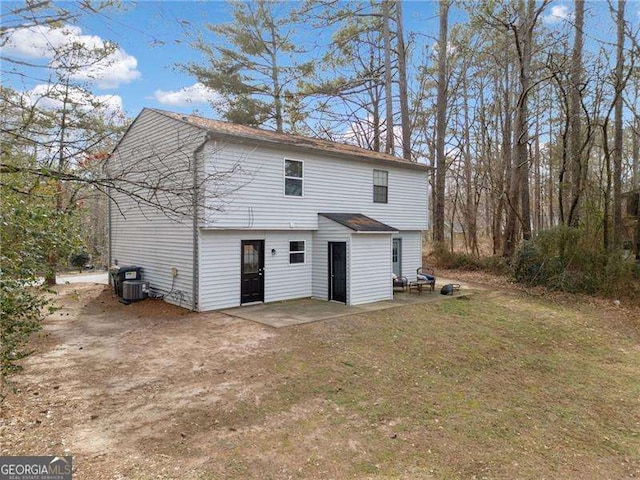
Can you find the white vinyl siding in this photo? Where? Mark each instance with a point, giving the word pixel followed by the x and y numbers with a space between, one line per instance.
pixel 220 267
pixel 249 203
pixel 331 184
pixel 328 231
pixel 143 235
pixel 411 252
pixel 370 279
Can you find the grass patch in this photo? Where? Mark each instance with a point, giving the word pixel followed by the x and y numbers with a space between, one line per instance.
pixel 490 387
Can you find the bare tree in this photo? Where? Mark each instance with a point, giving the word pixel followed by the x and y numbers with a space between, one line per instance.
pixel 574 116
pixel 402 83
pixel 388 76
pixel 617 141
pixel 441 126
pixel 523 34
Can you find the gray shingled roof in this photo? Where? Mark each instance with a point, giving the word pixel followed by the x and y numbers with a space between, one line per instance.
pixel 359 222
pixel 265 136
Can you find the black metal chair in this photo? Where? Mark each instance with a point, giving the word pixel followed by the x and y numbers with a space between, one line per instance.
pixel 400 282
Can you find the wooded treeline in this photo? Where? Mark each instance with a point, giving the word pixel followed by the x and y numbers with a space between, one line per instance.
pixel 530 121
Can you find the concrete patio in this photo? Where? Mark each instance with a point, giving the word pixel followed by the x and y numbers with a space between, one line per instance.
pixel 307 310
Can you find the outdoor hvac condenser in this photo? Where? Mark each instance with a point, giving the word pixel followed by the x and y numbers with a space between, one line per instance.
pixel 133 290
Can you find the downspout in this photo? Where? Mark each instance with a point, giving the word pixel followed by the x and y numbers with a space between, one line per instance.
pixel 196 223
pixel 109 226
pixel 109 246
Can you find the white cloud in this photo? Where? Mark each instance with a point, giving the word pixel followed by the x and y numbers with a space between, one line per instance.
pixel 43 42
pixel 558 13
pixel 194 94
pixel 111 71
pixel 51 97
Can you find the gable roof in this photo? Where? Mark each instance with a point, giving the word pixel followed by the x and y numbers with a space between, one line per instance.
pixel 227 129
pixel 359 222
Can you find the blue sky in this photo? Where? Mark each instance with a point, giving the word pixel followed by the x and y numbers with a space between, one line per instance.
pixel 153 38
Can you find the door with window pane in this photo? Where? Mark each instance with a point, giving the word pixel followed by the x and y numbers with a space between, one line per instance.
pixel 252 271
pixel 396 256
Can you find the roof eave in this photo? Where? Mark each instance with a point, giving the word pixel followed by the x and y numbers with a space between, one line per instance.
pixel 264 141
pixel 391 162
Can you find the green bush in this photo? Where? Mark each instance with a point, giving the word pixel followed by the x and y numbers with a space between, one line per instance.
pixel 79 259
pixel 566 259
pixel 20 316
pixel 33 231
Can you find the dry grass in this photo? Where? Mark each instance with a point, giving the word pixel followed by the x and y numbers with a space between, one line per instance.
pixel 494 387
pixel 498 386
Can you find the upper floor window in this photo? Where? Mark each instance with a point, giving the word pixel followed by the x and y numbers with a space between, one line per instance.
pixel 296 252
pixel 380 186
pixel 293 178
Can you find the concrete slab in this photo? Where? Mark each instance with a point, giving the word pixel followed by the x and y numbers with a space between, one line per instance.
pixel 87 277
pixel 307 310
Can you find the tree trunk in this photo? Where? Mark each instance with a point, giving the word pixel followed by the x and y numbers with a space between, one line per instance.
pixel 388 80
pixel 607 193
pixel 537 184
pixel 575 137
pixel 519 190
pixel 402 78
pixel 507 152
pixel 637 224
pixel 52 257
pixel 617 140
pixel 635 148
pixel 275 79
pixel 550 176
pixel 441 126
pixel 470 212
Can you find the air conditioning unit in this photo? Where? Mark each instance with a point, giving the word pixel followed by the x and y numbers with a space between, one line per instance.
pixel 133 290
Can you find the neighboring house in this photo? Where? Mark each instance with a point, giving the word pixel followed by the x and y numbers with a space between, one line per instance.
pixel 275 217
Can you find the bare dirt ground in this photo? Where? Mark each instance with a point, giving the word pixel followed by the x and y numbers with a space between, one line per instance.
pixel 506 384
pixel 108 383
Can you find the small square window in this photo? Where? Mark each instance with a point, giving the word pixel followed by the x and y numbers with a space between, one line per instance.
pixel 296 252
pixel 380 186
pixel 293 174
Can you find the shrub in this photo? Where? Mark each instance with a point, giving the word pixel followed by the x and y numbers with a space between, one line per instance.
pixel 564 258
pixel 33 232
pixel 463 261
pixel 20 316
pixel 79 259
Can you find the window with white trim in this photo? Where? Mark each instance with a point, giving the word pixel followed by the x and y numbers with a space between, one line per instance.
pixel 296 251
pixel 293 170
pixel 380 186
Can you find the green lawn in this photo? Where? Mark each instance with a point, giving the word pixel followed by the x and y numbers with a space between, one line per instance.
pixel 500 385
pixel 494 386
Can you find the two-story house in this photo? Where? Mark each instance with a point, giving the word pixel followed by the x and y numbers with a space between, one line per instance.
pixel 273 217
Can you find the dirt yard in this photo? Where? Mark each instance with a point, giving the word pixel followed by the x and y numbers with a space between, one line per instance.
pixel 504 385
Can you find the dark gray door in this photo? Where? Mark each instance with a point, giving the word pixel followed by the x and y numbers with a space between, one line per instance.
pixel 252 271
pixel 396 256
pixel 338 271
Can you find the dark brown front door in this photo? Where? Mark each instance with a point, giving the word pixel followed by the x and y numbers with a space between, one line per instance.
pixel 338 271
pixel 252 271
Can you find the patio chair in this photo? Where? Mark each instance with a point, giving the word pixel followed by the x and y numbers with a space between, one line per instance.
pixel 400 282
pixel 425 277
pixel 426 271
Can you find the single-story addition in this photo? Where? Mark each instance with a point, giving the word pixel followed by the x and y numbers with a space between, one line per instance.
pixel 220 215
